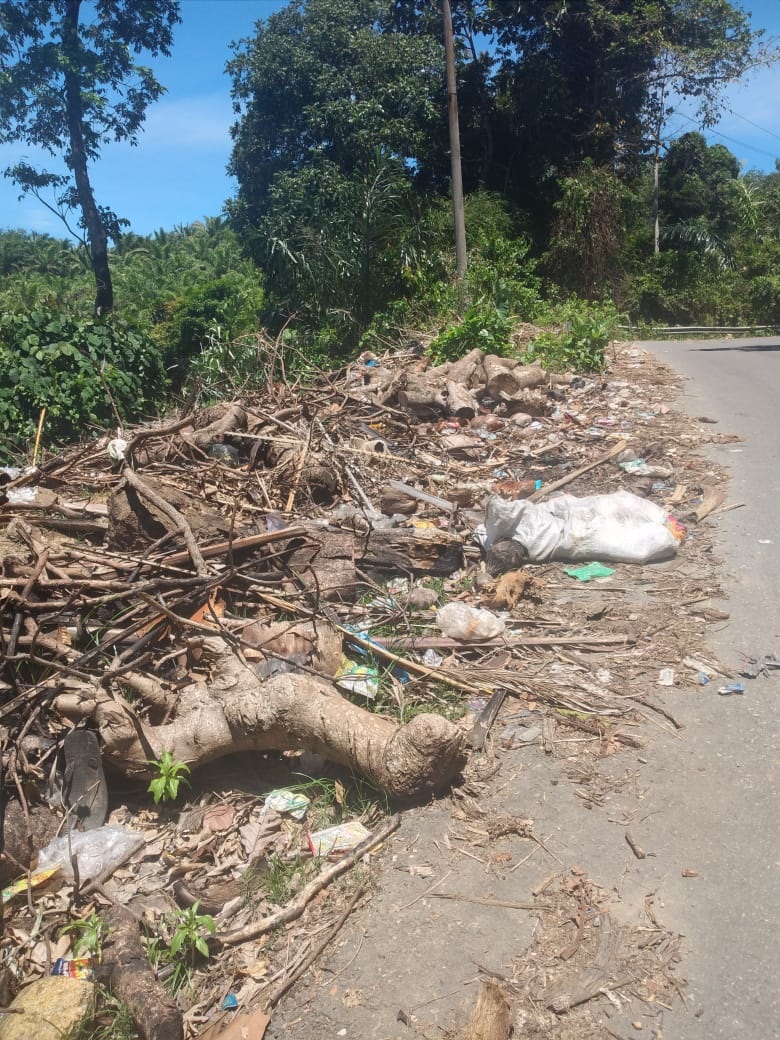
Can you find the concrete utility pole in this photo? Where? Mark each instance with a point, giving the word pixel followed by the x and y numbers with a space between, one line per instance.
pixel 456 176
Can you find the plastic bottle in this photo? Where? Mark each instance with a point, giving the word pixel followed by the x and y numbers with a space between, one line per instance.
pixel 460 621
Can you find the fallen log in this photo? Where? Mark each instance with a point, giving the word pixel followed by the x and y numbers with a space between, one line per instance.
pixel 460 401
pixel 126 971
pixel 237 711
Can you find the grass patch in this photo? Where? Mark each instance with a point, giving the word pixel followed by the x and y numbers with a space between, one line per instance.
pixel 111 1020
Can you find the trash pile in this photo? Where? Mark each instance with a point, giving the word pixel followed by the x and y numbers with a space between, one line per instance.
pixel 356 574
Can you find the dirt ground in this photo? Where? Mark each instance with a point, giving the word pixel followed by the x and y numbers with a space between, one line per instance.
pixel 458 903
pixel 526 880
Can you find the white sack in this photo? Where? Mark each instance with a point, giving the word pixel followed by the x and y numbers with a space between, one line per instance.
pixel 620 527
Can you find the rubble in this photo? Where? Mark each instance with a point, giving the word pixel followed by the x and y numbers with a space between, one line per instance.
pixel 165 596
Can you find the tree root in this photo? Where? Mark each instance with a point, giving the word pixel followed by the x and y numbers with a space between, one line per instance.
pixel 236 711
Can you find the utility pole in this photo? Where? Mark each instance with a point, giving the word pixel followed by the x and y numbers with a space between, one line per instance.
pixel 456 175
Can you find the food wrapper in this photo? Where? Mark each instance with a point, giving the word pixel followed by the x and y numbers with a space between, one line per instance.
pixel 40 877
pixel 337 839
pixel 293 802
pixel 357 678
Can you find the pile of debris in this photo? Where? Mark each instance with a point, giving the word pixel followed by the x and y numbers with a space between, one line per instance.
pixel 362 569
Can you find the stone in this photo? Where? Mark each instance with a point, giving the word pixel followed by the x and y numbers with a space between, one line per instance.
pixel 51 1009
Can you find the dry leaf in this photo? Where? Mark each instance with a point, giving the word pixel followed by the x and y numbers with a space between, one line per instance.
pixel 218 818
pixel 249 1025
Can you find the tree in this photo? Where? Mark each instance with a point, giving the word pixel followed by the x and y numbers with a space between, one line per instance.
pixel 340 119
pixel 69 84
pixel 711 46
pixel 589 79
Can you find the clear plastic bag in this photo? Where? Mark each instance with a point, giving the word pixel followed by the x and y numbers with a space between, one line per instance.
pixel 460 621
pixel 96 851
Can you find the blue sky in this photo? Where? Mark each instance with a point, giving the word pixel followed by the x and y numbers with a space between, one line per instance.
pixel 176 174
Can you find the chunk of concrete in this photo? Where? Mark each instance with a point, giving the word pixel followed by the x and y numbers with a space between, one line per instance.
pixel 49 1009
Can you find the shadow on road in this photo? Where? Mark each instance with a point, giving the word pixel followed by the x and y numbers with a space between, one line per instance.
pixel 768 347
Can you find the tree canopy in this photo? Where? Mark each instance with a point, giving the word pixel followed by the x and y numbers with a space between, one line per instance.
pixel 69 83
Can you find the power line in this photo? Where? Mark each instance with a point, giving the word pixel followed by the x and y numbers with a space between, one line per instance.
pixel 746 120
pixel 734 140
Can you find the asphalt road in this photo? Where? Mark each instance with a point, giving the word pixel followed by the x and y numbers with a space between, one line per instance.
pixel 714 794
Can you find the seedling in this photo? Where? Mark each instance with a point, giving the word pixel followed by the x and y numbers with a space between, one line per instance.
pixel 188 931
pixel 89 933
pixel 170 774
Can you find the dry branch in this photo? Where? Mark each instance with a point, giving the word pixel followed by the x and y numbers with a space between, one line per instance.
pixel 173 514
pixel 294 909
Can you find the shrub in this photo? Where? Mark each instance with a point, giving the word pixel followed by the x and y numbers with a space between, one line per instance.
pixel 225 308
pixel 482 326
pixel 78 369
pixel 764 295
pixel 581 343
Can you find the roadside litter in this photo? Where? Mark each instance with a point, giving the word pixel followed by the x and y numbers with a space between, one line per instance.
pixel 619 527
pixel 760 665
pixel 294 582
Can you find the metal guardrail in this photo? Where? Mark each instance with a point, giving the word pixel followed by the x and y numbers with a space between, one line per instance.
pixel 701 330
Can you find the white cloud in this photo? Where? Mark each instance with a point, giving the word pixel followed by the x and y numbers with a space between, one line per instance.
pixel 197 123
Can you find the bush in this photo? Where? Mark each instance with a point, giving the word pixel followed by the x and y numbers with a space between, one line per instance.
pixel 764 296
pixel 686 288
pixel 224 308
pixel 482 326
pixel 582 342
pixel 74 368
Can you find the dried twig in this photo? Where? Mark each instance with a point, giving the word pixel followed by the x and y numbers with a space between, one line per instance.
pixel 173 514
pixel 303 967
pixel 295 908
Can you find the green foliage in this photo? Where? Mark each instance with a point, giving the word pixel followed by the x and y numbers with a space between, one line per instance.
pixel 686 287
pixel 111 1020
pixel 582 341
pixel 334 246
pixel 501 279
pixel 482 326
pixel 765 300
pixel 699 186
pixel 171 774
pixel 70 87
pixel 587 240
pixel 79 370
pixel 183 942
pixel 280 878
pixel 88 935
pixel 322 86
pixel 220 309
pixel 225 368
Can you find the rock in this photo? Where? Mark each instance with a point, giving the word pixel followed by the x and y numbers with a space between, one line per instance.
pixel 52 1007
pixel 422 598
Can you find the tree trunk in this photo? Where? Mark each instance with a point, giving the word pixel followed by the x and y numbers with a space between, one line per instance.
pixel 457 177
pixel 237 711
pixel 77 161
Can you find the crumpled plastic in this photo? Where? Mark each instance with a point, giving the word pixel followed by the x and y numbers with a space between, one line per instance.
pixel 619 527
pixel 96 851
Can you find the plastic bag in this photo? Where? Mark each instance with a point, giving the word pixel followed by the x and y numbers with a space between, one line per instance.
pixel 104 848
pixel 460 621
pixel 620 527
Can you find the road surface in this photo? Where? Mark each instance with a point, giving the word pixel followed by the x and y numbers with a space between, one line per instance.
pixel 716 791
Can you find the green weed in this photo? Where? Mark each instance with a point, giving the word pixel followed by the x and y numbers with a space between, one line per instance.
pixel 111 1020
pixel 170 775
pixel 88 935
pixel 176 953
